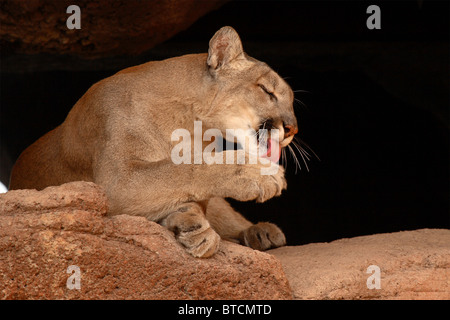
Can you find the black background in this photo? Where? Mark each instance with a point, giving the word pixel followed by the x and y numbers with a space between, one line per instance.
pixel 376 111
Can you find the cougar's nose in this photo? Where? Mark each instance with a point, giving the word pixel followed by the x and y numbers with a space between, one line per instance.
pixel 289 130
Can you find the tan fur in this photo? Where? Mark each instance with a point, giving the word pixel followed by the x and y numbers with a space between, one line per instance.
pixel 118 135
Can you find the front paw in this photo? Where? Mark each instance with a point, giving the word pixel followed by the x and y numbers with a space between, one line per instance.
pixel 249 183
pixel 262 236
pixel 271 185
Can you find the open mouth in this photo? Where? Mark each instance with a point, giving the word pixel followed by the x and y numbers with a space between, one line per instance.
pixel 268 147
pixel 272 150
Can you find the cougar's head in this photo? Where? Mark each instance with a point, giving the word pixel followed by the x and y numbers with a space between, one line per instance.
pixel 249 95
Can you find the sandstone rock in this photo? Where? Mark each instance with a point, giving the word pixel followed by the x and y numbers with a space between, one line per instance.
pixel 108 28
pixel 42 233
pixel 413 265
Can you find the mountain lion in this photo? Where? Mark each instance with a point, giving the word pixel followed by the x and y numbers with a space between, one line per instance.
pixel 118 135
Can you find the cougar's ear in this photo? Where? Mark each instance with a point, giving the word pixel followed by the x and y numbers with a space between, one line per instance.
pixel 224 46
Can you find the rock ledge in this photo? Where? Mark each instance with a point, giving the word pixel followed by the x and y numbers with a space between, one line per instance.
pixel 42 233
pixel 413 265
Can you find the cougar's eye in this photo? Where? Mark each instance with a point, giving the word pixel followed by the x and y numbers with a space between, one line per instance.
pixel 271 94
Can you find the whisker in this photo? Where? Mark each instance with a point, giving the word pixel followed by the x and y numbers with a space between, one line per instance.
pixel 301 142
pixel 297 163
pixel 301 103
pixel 304 161
pixel 303 91
pixel 301 150
pixel 301 147
pixel 304 154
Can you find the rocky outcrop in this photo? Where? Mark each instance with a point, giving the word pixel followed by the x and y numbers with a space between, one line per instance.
pixel 120 27
pixel 412 265
pixel 53 238
pixel 43 234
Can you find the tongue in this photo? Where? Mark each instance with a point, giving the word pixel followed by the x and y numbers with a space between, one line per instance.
pixel 273 151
